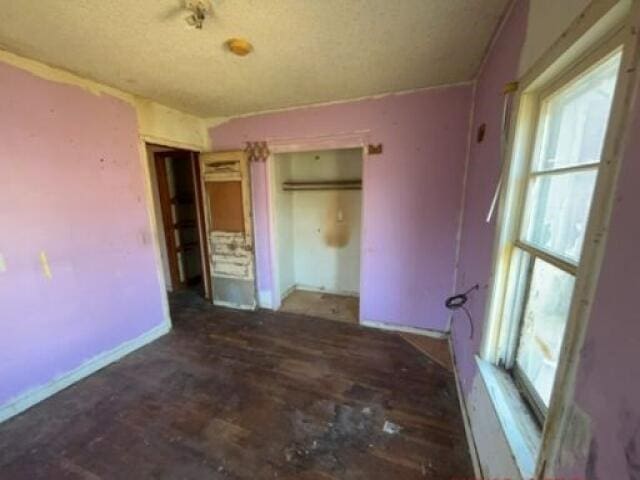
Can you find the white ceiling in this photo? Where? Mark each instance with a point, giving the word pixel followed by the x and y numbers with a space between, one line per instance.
pixel 306 51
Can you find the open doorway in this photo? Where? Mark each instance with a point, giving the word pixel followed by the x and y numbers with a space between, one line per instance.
pixel 175 176
pixel 316 207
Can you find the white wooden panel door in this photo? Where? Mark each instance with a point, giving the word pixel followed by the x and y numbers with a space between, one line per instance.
pixel 227 198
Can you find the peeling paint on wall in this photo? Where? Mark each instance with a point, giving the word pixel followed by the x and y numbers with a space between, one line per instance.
pixel 577 441
pixel 73 226
pixel 157 123
pixel 631 441
pixel 592 460
pixel 230 257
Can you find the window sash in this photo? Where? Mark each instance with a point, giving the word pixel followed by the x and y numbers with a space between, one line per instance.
pixel 535 403
pixel 557 261
pixel 510 336
pixel 520 292
pixel 563 170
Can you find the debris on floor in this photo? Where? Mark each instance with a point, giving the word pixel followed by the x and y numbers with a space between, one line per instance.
pixel 391 428
pixel 323 305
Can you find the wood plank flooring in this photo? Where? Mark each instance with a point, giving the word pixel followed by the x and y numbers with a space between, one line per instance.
pixel 437 349
pixel 242 395
pixel 340 308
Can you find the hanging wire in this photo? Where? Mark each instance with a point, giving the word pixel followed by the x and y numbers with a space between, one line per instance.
pixel 457 302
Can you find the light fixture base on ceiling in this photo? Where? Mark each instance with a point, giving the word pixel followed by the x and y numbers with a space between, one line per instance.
pixel 239 46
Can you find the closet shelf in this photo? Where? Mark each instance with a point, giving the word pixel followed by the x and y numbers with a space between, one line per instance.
pixel 322 185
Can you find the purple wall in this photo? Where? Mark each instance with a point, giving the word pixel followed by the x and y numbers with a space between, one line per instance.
pixel 411 194
pixel 476 246
pixel 72 186
pixel 607 385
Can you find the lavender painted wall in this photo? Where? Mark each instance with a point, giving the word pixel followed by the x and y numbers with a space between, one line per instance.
pixel 607 384
pixel 476 244
pixel 71 184
pixel 608 389
pixel 411 194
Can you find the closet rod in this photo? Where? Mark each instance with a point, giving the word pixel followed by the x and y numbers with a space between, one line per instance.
pixel 323 185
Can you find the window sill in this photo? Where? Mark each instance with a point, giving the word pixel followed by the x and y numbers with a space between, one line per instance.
pixel 520 429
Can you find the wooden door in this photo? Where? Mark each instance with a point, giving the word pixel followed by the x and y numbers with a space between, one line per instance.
pixel 168 218
pixel 202 228
pixel 226 188
pixel 183 219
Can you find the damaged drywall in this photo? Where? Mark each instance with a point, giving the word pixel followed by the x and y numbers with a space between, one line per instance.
pixel 157 123
pixel 607 388
pixel 84 228
pixel 577 442
pixel 82 279
pixel 600 439
pixel 318 232
pixel 411 193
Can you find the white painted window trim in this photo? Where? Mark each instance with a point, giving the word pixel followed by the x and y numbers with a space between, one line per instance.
pixel 604 25
pixel 516 420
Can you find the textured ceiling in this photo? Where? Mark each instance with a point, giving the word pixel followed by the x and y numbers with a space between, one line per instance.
pixel 306 51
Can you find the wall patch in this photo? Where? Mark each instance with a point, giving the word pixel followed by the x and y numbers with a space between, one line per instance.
pixel 46 270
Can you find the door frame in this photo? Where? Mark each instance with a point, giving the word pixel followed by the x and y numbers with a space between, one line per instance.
pixel 198 202
pixel 309 144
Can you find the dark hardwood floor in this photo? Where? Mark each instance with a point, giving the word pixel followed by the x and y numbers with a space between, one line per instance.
pixel 239 395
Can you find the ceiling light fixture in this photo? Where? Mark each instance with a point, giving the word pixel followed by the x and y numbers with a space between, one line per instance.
pixel 239 46
pixel 200 9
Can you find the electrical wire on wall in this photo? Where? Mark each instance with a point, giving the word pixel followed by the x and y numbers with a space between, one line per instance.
pixel 457 302
pixel 509 92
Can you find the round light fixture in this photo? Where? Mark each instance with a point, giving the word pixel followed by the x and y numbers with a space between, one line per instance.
pixel 239 46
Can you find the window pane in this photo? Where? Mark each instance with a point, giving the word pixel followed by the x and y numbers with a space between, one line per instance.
pixel 557 210
pixel 543 324
pixel 575 119
pixel 517 283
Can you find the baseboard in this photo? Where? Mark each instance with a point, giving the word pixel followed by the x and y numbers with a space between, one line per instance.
pixel 264 299
pixel 310 288
pixel 473 450
pixel 287 292
pixel 399 328
pixel 35 395
pixel 235 306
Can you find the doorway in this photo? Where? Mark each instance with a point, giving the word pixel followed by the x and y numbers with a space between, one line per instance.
pixel 175 176
pixel 316 206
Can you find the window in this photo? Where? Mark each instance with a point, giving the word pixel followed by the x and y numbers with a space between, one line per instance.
pixel 570 125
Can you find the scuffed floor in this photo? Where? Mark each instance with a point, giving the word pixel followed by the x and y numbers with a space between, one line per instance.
pixel 241 395
pixel 340 308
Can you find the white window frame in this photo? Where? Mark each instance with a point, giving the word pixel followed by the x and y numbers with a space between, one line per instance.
pixel 511 321
pixel 585 45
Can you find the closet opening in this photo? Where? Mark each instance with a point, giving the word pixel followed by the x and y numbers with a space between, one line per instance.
pixel 316 226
